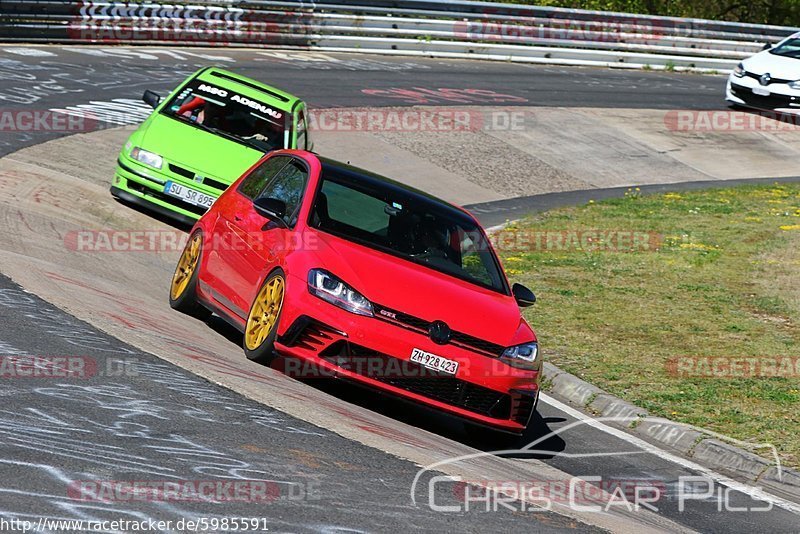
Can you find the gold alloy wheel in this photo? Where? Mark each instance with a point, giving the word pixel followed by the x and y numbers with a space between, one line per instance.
pixel 264 313
pixel 186 266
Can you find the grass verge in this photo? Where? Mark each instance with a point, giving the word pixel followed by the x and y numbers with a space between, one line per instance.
pixel 686 322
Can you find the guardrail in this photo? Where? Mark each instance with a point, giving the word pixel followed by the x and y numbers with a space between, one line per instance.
pixel 454 28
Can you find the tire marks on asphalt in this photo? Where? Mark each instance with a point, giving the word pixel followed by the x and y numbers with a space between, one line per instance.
pixel 154 424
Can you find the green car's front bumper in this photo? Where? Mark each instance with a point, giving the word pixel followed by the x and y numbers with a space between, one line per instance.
pixel 143 186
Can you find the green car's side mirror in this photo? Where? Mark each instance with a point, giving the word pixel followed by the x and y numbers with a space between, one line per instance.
pixel 151 98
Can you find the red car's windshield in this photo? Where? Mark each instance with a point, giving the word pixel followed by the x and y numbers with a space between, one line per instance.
pixel 225 112
pixel 420 230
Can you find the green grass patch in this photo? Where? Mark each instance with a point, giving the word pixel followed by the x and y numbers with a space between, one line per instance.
pixel 721 281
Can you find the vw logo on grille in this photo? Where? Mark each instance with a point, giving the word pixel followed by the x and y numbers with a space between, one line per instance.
pixel 439 332
pixel 765 79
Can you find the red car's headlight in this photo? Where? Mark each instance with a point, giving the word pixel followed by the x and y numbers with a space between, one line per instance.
pixel 331 289
pixel 522 356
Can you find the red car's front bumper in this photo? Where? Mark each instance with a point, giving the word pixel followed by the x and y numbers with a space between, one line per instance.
pixel 323 340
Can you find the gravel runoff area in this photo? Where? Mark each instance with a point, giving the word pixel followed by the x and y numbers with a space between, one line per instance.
pixel 533 150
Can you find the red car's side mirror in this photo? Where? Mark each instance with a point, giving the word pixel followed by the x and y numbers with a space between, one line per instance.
pixel 523 295
pixel 270 208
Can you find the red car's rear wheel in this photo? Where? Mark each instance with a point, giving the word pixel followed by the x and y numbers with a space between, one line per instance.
pixel 183 288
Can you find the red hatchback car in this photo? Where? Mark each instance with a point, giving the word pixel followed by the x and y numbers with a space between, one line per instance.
pixel 368 280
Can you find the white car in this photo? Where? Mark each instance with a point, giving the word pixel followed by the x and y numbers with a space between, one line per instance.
pixel 768 80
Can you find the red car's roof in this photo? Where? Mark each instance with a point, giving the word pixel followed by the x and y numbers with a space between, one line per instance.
pixel 415 195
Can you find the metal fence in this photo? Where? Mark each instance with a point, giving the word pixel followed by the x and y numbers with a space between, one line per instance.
pixel 451 28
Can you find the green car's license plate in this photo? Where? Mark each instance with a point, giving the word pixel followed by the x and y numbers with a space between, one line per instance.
pixel 187 194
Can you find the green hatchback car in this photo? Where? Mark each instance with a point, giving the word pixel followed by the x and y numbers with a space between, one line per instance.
pixel 201 138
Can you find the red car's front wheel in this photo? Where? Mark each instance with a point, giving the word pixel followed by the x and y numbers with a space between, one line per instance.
pixel 262 321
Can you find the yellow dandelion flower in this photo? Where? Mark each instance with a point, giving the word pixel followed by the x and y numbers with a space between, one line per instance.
pixel 696 246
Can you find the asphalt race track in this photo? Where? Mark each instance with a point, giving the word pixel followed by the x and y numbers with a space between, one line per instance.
pixel 160 422
pixel 66 76
pixel 184 404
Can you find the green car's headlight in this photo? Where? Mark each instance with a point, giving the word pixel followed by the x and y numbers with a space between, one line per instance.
pixel 523 356
pixel 148 158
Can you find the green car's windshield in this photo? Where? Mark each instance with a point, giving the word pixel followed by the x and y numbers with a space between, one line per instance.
pixel 230 114
pixel 789 48
pixel 422 231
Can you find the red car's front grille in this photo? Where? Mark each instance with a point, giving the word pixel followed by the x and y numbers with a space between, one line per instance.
pixel 417 379
pixel 421 325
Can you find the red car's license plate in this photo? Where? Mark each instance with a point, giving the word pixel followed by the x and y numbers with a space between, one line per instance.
pixel 432 361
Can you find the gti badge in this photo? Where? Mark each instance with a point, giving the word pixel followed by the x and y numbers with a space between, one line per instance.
pixel 765 79
pixel 439 332
pixel 388 314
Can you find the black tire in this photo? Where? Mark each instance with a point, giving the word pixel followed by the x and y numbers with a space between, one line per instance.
pixel 186 300
pixel 264 353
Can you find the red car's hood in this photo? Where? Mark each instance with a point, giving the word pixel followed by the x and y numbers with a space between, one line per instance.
pixel 419 291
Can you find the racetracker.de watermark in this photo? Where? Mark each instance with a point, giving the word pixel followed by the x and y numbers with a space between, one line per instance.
pixel 156 241
pixel 726 121
pixel 114 22
pixel 383 368
pixel 734 367
pixel 45 120
pixel 86 118
pixel 596 240
pixel 215 490
pixel 507 240
pixel 64 367
pixel 544 28
pixel 439 120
